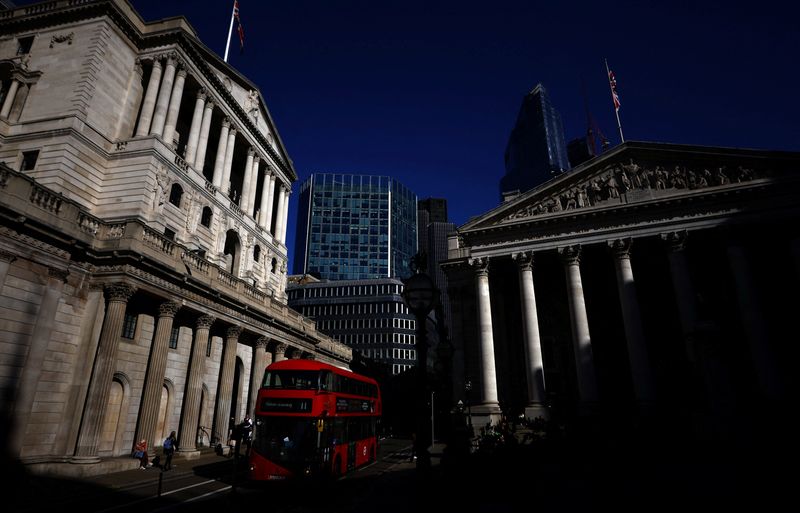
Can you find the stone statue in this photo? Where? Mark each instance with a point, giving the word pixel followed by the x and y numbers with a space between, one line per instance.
pixel 161 189
pixel 251 104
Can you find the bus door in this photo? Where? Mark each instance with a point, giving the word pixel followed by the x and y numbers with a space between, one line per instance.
pixel 351 455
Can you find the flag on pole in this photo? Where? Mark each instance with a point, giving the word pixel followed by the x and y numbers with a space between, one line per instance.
pixel 239 28
pixel 613 82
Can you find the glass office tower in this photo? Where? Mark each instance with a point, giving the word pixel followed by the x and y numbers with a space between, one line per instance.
pixel 536 149
pixel 355 227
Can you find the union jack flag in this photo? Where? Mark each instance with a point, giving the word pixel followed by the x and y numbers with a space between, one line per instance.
pixel 613 82
pixel 239 28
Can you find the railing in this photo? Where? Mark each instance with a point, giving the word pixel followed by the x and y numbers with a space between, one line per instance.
pixel 45 199
pixel 156 240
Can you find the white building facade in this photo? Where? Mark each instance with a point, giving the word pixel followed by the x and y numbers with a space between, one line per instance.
pixel 144 195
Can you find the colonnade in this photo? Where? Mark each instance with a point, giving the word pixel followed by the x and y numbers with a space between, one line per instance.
pixel 159 116
pixel 118 296
pixel 639 363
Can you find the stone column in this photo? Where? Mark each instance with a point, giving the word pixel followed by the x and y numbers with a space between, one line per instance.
pixel 219 160
pixel 257 375
pixel 753 322
pixel 534 362
pixel 279 213
pixel 486 337
pixel 160 114
pixel 33 368
pixel 285 216
pixel 226 168
pixel 251 197
pixel 100 384
pixel 149 103
pixel 6 259
pixel 248 176
pixel 581 340
pixel 174 107
pixel 194 130
pixel 685 295
pixel 187 435
pixel 634 335
pixel 265 203
pixel 202 144
pixel 154 380
pixel 226 381
pixel 10 96
pixel 280 352
pixel 270 204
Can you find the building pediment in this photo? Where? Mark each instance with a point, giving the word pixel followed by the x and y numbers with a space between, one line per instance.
pixel 634 173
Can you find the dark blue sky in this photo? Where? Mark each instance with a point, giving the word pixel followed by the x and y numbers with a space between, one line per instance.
pixel 427 92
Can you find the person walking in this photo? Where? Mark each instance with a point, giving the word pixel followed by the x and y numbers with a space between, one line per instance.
pixel 170 444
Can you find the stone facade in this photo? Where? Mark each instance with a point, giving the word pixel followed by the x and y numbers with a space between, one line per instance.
pixel 640 284
pixel 144 193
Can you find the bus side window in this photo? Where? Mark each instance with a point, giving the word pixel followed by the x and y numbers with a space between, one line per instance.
pixel 326 380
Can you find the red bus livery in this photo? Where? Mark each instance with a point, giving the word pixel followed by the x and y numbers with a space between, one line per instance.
pixel 313 418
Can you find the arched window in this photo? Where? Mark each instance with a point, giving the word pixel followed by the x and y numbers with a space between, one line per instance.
pixel 175 195
pixel 256 252
pixel 205 220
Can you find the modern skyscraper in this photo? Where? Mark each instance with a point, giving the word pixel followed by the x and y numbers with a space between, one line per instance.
pixel 536 149
pixel 433 229
pixel 355 227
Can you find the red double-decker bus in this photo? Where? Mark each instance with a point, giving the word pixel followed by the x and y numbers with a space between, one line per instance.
pixel 312 418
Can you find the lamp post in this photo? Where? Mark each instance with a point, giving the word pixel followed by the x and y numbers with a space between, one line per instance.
pixel 467 390
pixel 420 295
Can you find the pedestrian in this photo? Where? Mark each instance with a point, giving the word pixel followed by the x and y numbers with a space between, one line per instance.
pixel 246 434
pixel 170 444
pixel 140 451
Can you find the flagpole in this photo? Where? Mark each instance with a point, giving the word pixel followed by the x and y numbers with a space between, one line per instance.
pixel 616 110
pixel 230 31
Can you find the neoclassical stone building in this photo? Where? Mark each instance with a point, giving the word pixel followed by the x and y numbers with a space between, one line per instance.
pixel 144 192
pixel 654 279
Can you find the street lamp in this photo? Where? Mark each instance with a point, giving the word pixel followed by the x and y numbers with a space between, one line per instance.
pixel 467 390
pixel 420 295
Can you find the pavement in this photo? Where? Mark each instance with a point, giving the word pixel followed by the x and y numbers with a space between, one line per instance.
pixel 546 474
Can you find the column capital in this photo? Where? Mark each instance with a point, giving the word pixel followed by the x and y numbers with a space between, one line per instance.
pixel 232 132
pixel 172 57
pixel 168 309
pixel 480 265
pixel 138 67
pixel 119 292
pixel 156 59
pixel 251 151
pixel 201 94
pixel 256 157
pixel 58 274
pixel 205 322
pixel 675 241
pixel 524 260
pixel 234 332
pixel 621 248
pixel 309 356
pixel 262 342
pixel 570 255
pixel 281 347
pixel 181 71
pixel 209 102
pixel 5 256
pixel 226 123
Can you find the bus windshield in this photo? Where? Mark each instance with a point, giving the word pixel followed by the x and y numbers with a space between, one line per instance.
pixel 288 441
pixel 294 379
